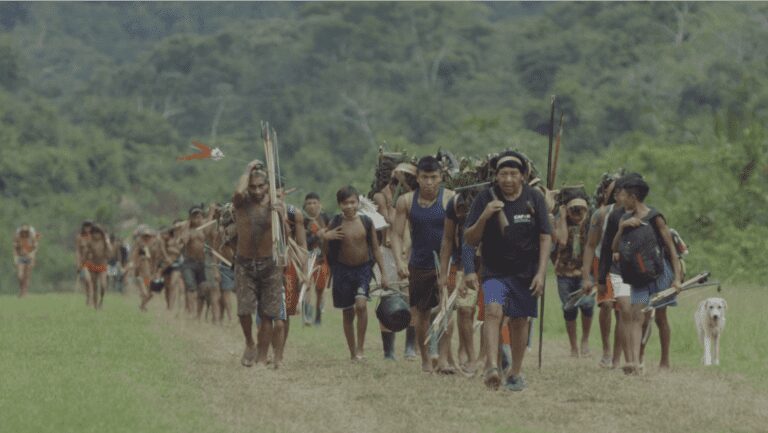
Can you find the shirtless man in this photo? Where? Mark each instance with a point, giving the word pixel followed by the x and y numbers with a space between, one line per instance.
pixel 352 244
pixel 197 269
pixel 463 254
pixel 403 179
pixel 424 209
pixel 258 280
pixel 172 261
pixel 81 255
pixel 225 243
pixel 99 250
pixel 25 244
pixel 116 263
pixel 145 261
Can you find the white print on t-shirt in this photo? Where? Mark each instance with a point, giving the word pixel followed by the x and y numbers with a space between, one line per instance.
pixel 522 219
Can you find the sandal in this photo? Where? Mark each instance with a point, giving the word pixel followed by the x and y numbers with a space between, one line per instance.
pixel 492 379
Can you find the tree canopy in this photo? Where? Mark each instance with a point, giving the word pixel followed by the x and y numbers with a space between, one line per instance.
pixel 97 100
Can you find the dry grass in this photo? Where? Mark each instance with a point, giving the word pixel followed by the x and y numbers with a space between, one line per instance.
pixel 320 390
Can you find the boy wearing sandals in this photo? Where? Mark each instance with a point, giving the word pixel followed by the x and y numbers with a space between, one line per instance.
pixel 511 221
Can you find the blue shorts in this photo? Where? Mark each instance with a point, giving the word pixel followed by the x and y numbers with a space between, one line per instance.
pixel 513 293
pixel 568 285
pixel 227 277
pixel 643 294
pixel 23 261
pixel 350 283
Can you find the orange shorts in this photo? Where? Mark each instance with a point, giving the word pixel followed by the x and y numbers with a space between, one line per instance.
pixel 608 295
pixel 322 276
pixel 96 269
pixel 505 338
pixel 291 279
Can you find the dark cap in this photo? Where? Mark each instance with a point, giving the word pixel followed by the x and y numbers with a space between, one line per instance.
pixel 195 209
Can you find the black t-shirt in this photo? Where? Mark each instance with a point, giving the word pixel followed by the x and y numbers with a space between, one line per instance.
pixel 516 251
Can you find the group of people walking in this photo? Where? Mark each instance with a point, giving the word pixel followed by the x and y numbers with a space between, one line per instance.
pixel 490 243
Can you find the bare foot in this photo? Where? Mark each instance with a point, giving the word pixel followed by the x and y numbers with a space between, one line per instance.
pixel 492 378
pixel 426 367
pixel 446 369
pixel 277 364
pixel 585 349
pixel 248 356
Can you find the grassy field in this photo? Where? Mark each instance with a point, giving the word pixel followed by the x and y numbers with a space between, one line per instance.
pixel 66 368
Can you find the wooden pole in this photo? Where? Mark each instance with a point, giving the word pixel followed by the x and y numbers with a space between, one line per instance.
pixel 549 187
pixel 556 158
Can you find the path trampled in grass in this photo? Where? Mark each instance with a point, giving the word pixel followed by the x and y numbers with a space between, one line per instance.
pixel 73 369
pixel 319 389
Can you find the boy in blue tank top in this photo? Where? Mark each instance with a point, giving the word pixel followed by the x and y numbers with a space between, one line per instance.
pixel 424 209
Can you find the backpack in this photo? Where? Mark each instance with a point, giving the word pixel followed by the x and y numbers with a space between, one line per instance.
pixel 334 247
pixel 641 255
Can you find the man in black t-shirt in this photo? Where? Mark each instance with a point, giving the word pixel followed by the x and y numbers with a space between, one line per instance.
pixel 510 222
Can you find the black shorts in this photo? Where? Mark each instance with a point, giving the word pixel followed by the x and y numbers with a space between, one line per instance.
pixel 422 288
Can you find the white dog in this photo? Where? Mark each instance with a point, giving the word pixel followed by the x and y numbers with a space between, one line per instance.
pixel 710 322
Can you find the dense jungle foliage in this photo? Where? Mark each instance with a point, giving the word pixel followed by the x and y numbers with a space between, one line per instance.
pixel 98 99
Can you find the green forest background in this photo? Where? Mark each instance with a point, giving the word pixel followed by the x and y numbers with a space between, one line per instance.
pixel 98 99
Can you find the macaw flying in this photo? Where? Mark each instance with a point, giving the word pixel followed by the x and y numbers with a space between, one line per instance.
pixel 204 152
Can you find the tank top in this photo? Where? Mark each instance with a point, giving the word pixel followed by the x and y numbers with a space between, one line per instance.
pixel 426 231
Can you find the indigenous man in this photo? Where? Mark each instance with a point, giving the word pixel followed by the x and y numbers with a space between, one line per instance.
pixel 258 280
pixel 172 261
pixel 197 269
pixel 116 263
pixel 593 264
pixel 511 221
pixel 99 250
pixel 314 221
pixel 463 255
pixel 424 209
pixel 352 245
pixel 571 235
pixel 145 261
pixel 81 255
pixel 632 190
pixel 226 242
pixel 25 244
pixel 403 179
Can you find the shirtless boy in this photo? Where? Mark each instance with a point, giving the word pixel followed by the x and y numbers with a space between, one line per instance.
pixel 196 270
pixel 145 261
pixel 25 244
pixel 351 245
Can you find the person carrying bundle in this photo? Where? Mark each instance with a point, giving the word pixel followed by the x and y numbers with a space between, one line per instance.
pixel 511 221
